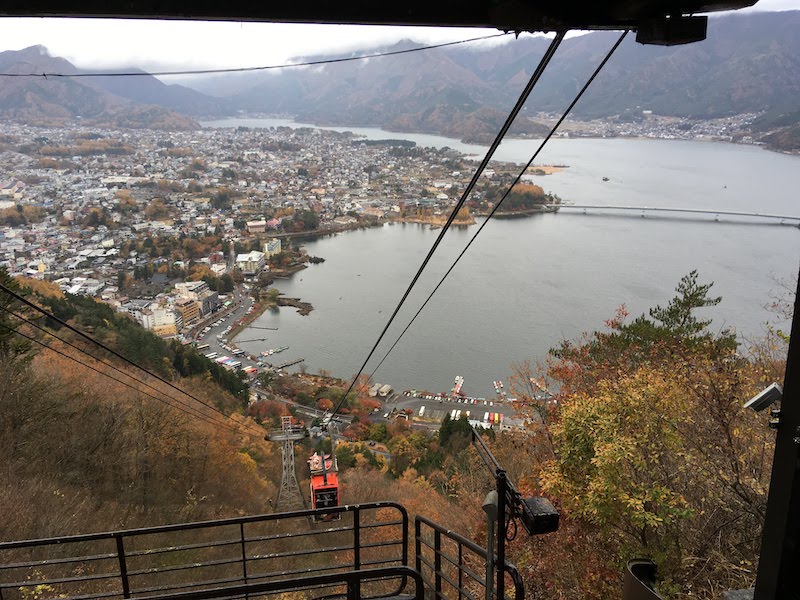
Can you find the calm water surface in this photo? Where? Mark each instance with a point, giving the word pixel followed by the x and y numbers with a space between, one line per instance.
pixel 526 284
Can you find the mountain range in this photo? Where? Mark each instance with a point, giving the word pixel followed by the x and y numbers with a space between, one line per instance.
pixel 749 63
pixel 96 100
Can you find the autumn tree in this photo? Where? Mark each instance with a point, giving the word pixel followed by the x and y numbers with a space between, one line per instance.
pixel 156 209
pixel 11 345
pixel 653 450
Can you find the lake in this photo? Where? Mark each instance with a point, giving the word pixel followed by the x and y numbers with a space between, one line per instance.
pixel 526 284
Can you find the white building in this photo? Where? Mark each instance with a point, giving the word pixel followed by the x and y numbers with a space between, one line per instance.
pixel 158 319
pixel 191 289
pixel 251 263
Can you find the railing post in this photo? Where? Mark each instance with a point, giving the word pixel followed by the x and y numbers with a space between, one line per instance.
pixel 490 508
pixel 405 539
pixel 460 570
pixel 356 549
pixel 244 554
pixel 356 539
pixel 501 533
pixel 351 590
pixel 123 568
pixel 437 563
pixel 418 546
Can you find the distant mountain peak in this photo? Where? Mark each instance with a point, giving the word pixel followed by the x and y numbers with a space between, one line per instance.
pixel 38 51
pixel 404 44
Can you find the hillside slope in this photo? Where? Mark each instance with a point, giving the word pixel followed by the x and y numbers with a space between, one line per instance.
pixel 82 452
pixel 53 100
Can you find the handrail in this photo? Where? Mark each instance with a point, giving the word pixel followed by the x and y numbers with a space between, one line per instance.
pixel 639 581
pixel 264 556
pixel 351 578
pixel 107 535
pixel 461 542
pixel 151 560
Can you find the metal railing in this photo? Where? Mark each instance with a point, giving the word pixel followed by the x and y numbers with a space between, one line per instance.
pixel 353 580
pixel 639 580
pixel 453 566
pixel 203 556
pixel 364 554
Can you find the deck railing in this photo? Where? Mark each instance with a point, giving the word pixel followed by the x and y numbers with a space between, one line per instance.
pixel 155 561
pixel 363 554
pixel 454 567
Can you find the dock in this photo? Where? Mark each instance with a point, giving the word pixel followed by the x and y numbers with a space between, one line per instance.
pixel 290 363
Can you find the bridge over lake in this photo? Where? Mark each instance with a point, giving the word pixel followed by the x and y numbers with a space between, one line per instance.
pixel 782 219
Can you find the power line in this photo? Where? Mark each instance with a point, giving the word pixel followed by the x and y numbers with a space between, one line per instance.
pixel 311 63
pixel 88 366
pixel 100 344
pixel 508 191
pixel 186 407
pixel 540 68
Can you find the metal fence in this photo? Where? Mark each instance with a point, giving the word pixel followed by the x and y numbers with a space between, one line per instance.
pixel 208 555
pixel 454 567
pixel 363 554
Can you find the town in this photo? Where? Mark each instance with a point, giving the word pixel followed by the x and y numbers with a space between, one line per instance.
pixel 160 225
pixel 125 215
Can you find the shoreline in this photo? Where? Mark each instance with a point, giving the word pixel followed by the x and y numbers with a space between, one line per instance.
pixel 575 136
pixel 287 272
pixel 303 308
pixel 527 212
pixel 323 232
pixel 258 309
pixel 434 223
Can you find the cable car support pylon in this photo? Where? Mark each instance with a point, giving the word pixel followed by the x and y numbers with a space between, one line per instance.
pixel 289 495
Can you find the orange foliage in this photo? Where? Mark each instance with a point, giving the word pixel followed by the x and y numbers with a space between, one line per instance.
pixel 42 288
pixel 529 188
pixel 266 410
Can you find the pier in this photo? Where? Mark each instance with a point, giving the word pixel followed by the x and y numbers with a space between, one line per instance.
pixel 290 363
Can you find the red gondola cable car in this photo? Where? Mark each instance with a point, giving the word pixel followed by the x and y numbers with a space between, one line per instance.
pixel 324 484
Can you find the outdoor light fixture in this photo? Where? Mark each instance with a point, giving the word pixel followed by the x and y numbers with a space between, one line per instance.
pixel 539 516
pixel 765 398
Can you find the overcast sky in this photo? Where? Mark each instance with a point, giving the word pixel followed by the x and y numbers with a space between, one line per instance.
pixel 153 45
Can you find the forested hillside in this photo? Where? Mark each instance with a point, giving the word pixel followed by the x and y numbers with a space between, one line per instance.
pixel 82 452
pixel 644 445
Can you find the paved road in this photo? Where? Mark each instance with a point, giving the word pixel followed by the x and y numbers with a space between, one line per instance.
pixel 210 338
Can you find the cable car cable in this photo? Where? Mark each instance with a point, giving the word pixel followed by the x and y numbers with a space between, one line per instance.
pixel 196 412
pixel 86 336
pixel 508 191
pixel 88 366
pixel 537 73
pixel 311 63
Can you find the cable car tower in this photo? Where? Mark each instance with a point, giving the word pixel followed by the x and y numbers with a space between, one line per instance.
pixel 289 496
